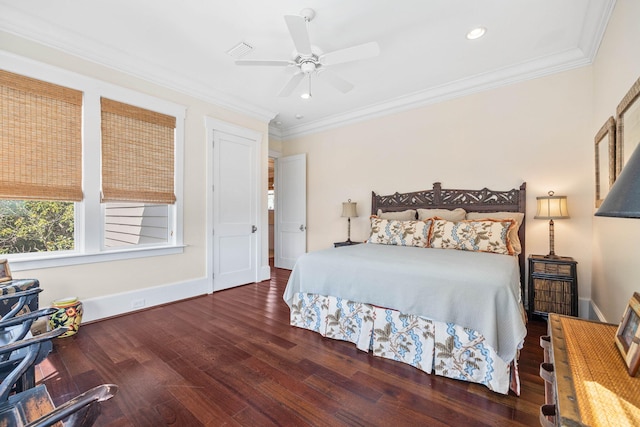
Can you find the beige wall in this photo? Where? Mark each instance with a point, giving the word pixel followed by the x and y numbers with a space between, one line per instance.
pixel 538 131
pixel 106 278
pixel 616 270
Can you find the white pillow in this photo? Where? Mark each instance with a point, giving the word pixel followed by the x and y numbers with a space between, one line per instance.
pixel 408 215
pixel 448 214
pixel 513 233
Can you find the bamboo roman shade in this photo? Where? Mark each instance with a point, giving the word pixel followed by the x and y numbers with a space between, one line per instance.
pixel 137 154
pixel 40 140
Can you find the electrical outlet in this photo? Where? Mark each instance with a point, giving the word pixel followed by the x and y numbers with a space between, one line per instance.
pixel 137 303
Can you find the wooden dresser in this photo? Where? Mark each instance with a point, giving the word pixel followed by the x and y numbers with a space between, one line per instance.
pixel 586 380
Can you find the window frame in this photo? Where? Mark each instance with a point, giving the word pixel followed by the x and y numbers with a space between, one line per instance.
pixel 89 213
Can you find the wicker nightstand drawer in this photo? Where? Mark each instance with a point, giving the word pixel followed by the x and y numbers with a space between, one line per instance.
pixel 554 269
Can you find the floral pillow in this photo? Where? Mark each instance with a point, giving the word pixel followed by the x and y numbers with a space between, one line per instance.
pixel 486 235
pixel 400 233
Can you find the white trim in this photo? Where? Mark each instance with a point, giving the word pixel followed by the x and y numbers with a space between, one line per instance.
pixel 122 303
pixel 527 70
pixel 25 262
pixel 597 314
pixel 274 153
pixel 595 25
pixel 48 34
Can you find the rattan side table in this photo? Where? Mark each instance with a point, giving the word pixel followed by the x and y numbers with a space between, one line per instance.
pixel 553 285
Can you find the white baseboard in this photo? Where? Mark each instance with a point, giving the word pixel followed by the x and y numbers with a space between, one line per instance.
pixel 596 313
pixel 127 302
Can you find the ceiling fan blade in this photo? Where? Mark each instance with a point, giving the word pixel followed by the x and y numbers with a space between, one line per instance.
pixel 299 34
pixel 353 53
pixel 336 81
pixel 293 82
pixel 268 63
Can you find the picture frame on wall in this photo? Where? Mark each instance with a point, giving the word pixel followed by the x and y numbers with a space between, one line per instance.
pixel 628 335
pixel 628 126
pixel 605 146
pixel 5 272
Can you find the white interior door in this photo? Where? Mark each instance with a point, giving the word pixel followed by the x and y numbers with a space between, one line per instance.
pixel 291 210
pixel 235 213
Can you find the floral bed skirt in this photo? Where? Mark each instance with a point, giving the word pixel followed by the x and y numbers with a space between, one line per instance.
pixel 431 346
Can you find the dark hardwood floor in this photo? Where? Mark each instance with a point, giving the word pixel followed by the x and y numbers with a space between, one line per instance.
pixel 232 358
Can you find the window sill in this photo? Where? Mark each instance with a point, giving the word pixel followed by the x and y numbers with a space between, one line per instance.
pixel 29 262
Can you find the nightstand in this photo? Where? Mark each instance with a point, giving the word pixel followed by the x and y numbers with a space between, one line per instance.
pixel 553 285
pixel 347 243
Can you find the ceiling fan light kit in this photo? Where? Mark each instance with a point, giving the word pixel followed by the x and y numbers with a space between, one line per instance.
pixel 308 60
pixel 476 33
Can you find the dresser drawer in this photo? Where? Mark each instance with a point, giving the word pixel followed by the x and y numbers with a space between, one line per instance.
pixel 552 269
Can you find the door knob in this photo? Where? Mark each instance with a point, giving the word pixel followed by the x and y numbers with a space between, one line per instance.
pixel 302 227
pixel 254 228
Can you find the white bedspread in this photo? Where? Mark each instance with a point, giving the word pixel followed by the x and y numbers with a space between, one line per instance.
pixel 477 290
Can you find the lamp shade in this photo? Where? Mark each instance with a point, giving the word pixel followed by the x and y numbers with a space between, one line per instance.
pixel 349 209
pixel 623 200
pixel 552 207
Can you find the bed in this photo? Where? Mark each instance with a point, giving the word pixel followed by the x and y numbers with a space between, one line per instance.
pixel 437 285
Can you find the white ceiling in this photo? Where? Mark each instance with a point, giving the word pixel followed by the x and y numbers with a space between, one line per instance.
pixel 425 56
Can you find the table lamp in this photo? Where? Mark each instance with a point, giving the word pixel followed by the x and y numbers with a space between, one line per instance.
pixel 552 207
pixel 349 211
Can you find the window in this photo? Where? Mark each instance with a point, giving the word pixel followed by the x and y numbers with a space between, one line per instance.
pixel 131 224
pixel 36 226
pixel 87 168
pixel 41 166
pixel 137 169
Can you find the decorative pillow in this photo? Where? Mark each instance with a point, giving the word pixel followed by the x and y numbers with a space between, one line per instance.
pixel 448 214
pixel 400 233
pixel 478 236
pixel 408 215
pixel 513 234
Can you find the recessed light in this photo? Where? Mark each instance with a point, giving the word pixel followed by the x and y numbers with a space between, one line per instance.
pixel 476 33
pixel 305 95
pixel 299 116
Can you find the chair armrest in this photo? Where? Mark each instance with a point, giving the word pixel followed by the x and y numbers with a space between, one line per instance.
pixel 17 345
pixel 19 294
pixel 18 320
pixel 95 395
pixel 25 298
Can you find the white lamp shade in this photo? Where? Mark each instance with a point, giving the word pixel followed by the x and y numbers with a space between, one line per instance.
pixel 349 209
pixel 552 207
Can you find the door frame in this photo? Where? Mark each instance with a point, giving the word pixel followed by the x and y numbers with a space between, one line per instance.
pixel 212 125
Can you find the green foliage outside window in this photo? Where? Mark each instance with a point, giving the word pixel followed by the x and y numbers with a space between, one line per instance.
pixel 36 226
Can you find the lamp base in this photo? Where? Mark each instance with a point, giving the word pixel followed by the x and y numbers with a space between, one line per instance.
pixel 552 256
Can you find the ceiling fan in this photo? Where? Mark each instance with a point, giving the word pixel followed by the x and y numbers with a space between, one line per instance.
pixel 309 60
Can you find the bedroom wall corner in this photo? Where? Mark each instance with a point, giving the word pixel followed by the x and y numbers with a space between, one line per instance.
pixel 616 270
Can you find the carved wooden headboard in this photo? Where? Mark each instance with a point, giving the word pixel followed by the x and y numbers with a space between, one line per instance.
pixel 483 200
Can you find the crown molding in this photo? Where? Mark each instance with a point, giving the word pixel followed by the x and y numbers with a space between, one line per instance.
pixel 36 30
pixel 15 22
pixel 524 71
pixel 595 25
